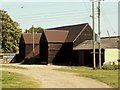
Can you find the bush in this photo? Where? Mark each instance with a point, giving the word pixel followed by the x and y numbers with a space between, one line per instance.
pixel 30 61
pixel 110 67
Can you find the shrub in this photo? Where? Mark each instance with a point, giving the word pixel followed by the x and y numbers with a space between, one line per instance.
pixel 110 67
pixel 30 61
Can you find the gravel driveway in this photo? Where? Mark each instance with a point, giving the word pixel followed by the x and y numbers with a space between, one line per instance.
pixel 56 79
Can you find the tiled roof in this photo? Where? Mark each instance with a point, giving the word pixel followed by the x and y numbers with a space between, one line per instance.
pixel 106 42
pixel 110 42
pixel 74 30
pixel 56 35
pixel 77 33
pixel 28 38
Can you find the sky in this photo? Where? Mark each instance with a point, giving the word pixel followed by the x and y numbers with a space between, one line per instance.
pixel 54 13
pixel 118 18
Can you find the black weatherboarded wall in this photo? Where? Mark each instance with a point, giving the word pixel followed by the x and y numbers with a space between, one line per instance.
pixel 53 48
pixel 77 34
pixel 26 46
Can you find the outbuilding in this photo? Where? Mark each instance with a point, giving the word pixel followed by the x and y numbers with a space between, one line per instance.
pixel 54 48
pixel 26 46
pixel 111 46
pixel 109 51
pixel 76 35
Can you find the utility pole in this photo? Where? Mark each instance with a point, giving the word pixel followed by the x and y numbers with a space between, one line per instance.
pixel 99 43
pixel 94 60
pixel 33 40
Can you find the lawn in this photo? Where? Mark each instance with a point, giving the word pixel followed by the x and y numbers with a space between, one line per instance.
pixel 15 80
pixel 109 77
pixel 12 66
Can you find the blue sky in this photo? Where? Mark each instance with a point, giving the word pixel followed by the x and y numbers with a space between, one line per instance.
pixel 51 13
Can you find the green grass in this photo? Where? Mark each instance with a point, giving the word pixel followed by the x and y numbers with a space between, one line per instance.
pixel 109 77
pixel 12 67
pixel 15 80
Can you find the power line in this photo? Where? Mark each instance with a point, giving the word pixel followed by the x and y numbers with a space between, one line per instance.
pixel 105 24
pixel 54 19
pixel 43 16
pixel 86 6
pixel 49 13
pixel 106 27
pixel 56 16
pixel 106 18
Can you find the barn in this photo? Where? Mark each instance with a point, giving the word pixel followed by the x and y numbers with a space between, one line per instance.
pixel 54 48
pixel 109 47
pixel 26 46
pixel 76 35
pixel 65 45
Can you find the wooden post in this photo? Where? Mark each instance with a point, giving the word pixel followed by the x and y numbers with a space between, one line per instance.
pixel 99 43
pixel 118 74
pixel 94 60
pixel 33 39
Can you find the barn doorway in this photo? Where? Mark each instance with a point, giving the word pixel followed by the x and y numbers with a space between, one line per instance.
pixel 85 57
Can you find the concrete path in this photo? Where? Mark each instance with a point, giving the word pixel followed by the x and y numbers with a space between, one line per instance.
pixel 56 79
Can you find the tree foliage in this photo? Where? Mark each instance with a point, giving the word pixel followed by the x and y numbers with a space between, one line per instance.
pixel 36 29
pixel 11 33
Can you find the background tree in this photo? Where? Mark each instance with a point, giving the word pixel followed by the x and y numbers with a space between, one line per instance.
pixel 11 33
pixel 36 29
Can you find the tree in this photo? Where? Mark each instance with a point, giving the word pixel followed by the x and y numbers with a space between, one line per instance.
pixel 36 29
pixel 11 33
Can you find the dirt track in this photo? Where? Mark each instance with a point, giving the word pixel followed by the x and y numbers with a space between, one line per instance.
pixel 55 79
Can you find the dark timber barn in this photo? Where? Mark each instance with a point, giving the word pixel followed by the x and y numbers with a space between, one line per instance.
pixel 76 35
pixel 53 49
pixel 26 46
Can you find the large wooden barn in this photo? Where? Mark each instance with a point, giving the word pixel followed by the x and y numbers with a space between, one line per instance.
pixel 77 34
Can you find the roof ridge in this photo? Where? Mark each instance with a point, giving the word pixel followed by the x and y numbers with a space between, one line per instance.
pixel 111 37
pixel 68 25
pixel 57 30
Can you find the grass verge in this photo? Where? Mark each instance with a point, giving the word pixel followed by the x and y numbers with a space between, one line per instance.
pixel 109 77
pixel 13 67
pixel 15 80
